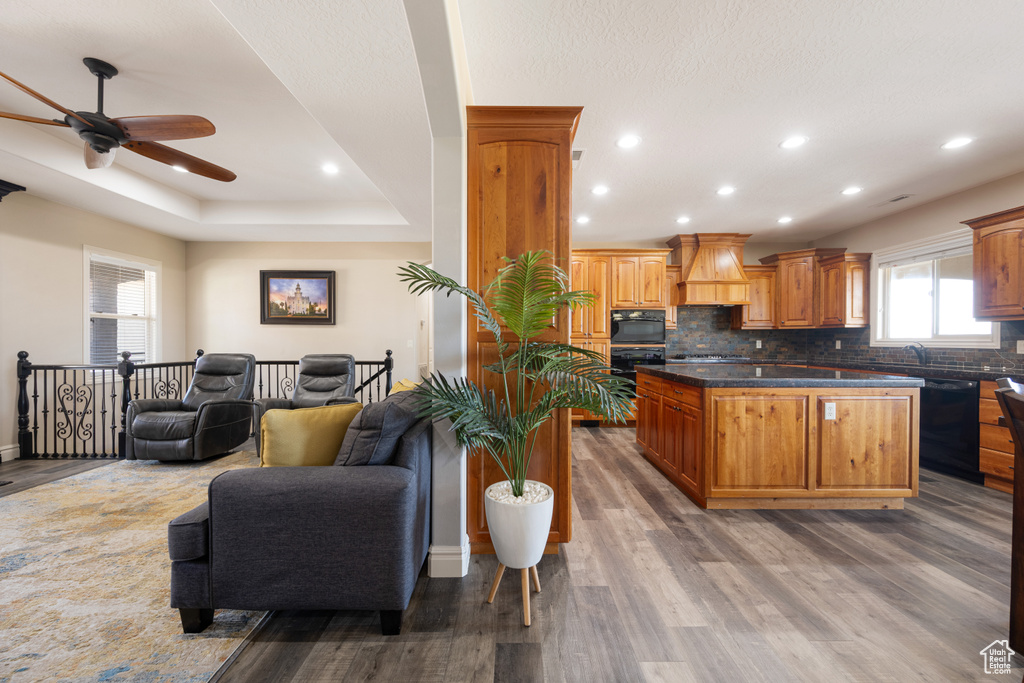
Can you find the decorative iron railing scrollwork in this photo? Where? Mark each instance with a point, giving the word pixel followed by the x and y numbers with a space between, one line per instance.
pixel 79 411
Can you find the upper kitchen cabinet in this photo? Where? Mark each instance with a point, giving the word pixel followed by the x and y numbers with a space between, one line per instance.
pixel 759 314
pixel 999 265
pixel 638 279
pixel 591 271
pixel 843 290
pixel 795 285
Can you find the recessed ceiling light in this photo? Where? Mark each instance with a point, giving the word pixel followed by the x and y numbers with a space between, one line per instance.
pixel 628 141
pixel 330 169
pixel 600 189
pixel 583 220
pixel 726 190
pixel 853 189
pixel 957 142
pixel 683 220
pixel 786 219
pixel 180 169
pixel 793 142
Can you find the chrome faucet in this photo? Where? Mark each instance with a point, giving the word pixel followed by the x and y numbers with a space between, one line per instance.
pixel 918 348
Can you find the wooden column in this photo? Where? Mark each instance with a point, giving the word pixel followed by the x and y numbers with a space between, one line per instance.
pixel 520 199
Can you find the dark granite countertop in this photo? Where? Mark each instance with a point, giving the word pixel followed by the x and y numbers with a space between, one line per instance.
pixel 938 372
pixel 714 375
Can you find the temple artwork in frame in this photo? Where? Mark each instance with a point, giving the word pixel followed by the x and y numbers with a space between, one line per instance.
pixel 297 297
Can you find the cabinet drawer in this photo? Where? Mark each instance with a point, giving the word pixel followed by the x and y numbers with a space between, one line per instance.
pixel 995 438
pixel 995 463
pixel 989 411
pixel 683 393
pixel 651 384
pixel 988 389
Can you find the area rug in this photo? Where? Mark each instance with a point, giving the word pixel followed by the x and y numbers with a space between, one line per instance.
pixel 85 577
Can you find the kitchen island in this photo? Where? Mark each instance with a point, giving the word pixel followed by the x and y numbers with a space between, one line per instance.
pixel 735 436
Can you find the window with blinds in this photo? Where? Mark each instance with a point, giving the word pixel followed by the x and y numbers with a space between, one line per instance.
pixel 122 310
pixel 925 293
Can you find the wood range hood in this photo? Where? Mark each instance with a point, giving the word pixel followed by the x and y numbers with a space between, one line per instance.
pixel 712 269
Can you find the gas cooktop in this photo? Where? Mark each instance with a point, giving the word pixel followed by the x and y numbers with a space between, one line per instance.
pixel 707 358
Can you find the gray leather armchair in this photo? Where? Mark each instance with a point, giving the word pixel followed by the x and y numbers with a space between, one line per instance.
pixel 324 379
pixel 213 418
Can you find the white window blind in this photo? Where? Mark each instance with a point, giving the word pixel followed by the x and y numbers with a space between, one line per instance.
pixel 122 310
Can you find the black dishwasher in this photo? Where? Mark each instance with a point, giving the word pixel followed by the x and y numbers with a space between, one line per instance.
pixel 949 428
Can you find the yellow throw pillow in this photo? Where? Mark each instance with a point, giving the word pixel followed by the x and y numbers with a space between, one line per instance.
pixel 403 385
pixel 307 436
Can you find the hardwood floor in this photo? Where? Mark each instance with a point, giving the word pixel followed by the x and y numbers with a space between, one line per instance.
pixel 24 474
pixel 654 589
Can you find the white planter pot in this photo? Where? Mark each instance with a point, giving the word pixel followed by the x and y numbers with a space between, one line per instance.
pixel 519 532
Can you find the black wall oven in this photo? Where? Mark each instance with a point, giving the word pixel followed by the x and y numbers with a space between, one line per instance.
pixel 638 327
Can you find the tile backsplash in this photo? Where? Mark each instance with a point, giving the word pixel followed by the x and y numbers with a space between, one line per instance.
pixel 707 329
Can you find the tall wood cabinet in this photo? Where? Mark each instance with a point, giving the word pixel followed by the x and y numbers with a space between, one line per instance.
pixel 673 275
pixel 519 199
pixel 590 270
pixel 999 265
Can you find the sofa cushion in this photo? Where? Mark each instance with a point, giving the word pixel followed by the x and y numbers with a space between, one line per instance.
pixel 165 425
pixel 373 436
pixel 306 436
pixel 188 536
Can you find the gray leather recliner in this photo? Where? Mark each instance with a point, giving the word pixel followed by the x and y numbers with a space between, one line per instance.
pixel 324 379
pixel 213 418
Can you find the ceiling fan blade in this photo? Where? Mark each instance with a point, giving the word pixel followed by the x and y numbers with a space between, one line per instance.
pixel 164 127
pixel 94 159
pixel 172 157
pixel 42 98
pixel 32 119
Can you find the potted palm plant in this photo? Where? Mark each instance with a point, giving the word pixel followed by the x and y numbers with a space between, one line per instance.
pixel 536 379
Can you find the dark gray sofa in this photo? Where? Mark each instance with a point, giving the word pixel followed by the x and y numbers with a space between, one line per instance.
pixel 337 538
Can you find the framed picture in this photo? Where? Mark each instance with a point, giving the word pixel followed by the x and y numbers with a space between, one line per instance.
pixel 297 297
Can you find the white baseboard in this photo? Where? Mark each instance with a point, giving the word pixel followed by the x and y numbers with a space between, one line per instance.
pixel 448 561
pixel 9 453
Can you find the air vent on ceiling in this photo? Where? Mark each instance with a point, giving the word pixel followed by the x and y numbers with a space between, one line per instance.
pixel 577 156
pixel 893 200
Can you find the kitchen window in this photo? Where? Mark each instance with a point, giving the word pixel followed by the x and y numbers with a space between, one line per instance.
pixel 120 307
pixel 925 293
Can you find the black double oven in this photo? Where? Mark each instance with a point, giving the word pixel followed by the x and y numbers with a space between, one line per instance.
pixel 638 338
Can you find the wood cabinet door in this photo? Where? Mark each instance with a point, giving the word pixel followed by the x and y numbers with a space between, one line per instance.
pixel 602 346
pixel 625 279
pixel 691 444
pixel 760 313
pixel 648 420
pixel 579 278
pixel 857 297
pixel 651 285
pixel 998 273
pixel 796 293
pixel 832 295
pixel 599 282
pixel 672 277
pixel 671 435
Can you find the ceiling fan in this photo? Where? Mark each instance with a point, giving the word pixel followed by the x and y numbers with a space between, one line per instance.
pixel 139 134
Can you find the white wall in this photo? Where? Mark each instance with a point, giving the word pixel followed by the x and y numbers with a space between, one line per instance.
pixel 42 287
pixel 933 218
pixel 374 310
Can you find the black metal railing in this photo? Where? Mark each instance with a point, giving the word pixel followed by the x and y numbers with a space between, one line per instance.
pixel 79 411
